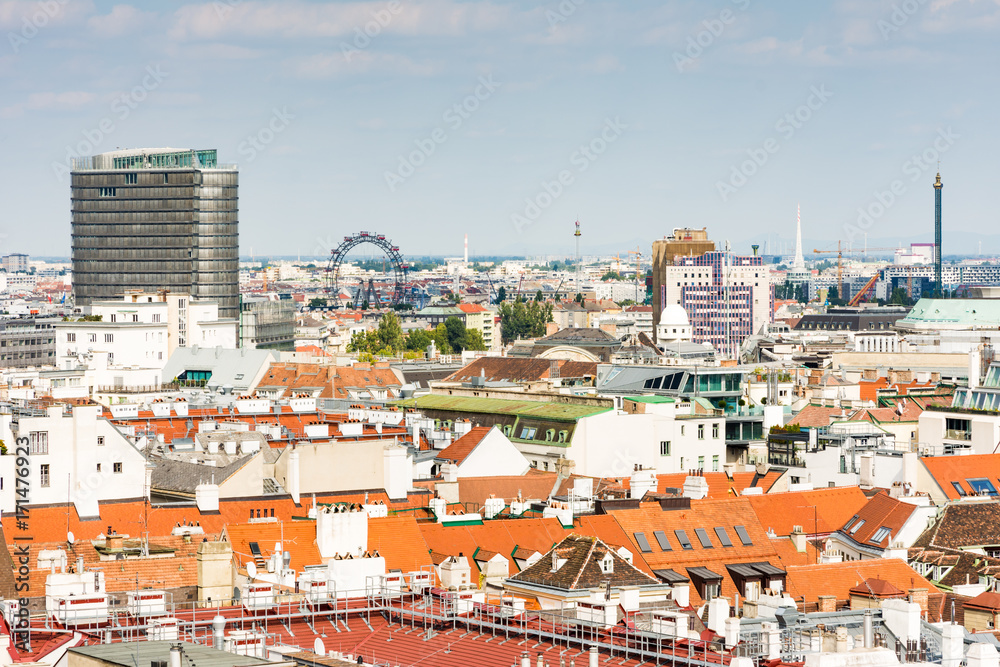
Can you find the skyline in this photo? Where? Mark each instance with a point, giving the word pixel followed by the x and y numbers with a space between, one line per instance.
pixel 463 116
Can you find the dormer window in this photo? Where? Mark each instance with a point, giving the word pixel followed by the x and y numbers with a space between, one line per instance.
pixel 607 564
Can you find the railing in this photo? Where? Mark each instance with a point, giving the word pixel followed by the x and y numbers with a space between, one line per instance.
pixel 956 434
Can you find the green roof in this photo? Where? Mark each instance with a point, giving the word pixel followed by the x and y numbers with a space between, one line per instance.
pixel 125 654
pixel 538 409
pixel 979 312
pixel 650 399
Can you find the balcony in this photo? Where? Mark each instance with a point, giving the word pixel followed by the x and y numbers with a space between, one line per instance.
pixel 957 434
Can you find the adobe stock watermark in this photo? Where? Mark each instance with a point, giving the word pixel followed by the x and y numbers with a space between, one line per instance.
pixel 454 117
pixel 32 25
pixel 257 143
pixel 223 8
pixel 580 160
pixel 121 108
pixel 363 36
pixel 900 16
pixel 705 38
pixel 562 12
pixel 914 167
pixel 787 125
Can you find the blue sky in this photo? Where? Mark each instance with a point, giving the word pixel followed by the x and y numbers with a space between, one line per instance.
pixel 429 119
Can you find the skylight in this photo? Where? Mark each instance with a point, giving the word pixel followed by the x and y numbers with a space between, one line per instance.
pixel 744 536
pixel 640 539
pixel 661 539
pixel 703 538
pixel 880 535
pixel 982 486
pixel 682 537
pixel 856 526
pixel 723 536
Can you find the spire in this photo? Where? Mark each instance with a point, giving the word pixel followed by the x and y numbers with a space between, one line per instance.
pixel 799 262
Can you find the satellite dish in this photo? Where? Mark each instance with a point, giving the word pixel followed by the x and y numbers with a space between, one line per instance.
pixel 318 647
pixel 70 537
pixel 252 570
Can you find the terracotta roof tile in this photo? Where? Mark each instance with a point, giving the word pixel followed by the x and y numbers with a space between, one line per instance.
pixel 459 450
pixel 948 469
pixel 820 511
pixel 837 579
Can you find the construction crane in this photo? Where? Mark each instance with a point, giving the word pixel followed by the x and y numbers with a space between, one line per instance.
pixel 840 251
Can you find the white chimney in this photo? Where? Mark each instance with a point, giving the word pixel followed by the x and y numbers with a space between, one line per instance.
pixel 292 476
pixel 207 497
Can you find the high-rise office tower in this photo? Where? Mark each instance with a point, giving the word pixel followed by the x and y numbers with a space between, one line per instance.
pixel 156 219
pixel 938 287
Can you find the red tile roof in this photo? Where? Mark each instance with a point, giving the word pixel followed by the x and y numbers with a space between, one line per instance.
pixel 837 579
pixel 881 511
pixel 459 450
pixel 501 535
pixel 720 484
pixel 816 416
pixel 948 469
pixel 820 511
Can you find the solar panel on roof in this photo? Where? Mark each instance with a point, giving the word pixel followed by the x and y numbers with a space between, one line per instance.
pixel 640 539
pixel 703 538
pixel 723 536
pixel 744 536
pixel 661 539
pixel 682 537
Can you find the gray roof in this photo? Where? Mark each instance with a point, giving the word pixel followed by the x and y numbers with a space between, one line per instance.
pixel 183 476
pixel 125 653
pixel 225 365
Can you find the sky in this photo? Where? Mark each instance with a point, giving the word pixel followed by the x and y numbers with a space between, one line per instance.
pixel 426 120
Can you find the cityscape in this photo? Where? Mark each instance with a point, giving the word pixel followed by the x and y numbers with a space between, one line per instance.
pixel 347 334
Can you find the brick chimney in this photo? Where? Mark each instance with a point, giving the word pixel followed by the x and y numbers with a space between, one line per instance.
pixel 827 603
pixel 919 596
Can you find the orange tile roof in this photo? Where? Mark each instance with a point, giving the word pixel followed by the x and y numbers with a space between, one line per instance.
pixel 881 511
pixel 704 514
pixel 837 579
pixel 779 512
pixel 298 538
pixel 500 535
pixel 870 389
pixel 400 541
pixel 459 450
pixel 948 469
pixel 816 416
pixel 720 485
pixel 471 308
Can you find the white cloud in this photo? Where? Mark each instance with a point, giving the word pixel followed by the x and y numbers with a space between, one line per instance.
pixel 330 65
pixel 121 20
pixel 48 102
pixel 17 14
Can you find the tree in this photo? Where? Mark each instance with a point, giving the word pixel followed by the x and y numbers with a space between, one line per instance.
pixel 612 275
pixel 318 302
pixel 474 340
pixel 539 296
pixel 501 294
pixel 440 337
pixel 833 295
pixel 899 297
pixel 364 341
pixel 578 298
pixel 390 333
pixel 523 320
pixel 455 329
pixel 418 340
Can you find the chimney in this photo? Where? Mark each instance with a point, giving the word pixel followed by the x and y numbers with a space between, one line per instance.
pixel 827 603
pixel 798 537
pixel 175 655
pixel 919 596
pixel 292 475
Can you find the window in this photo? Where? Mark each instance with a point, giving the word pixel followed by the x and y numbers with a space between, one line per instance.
pixel 715 431
pixel 117 467
pixel 856 526
pixel 38 442
pixel 156 318
pixel 527 433
pixel 723 536
pixel 135 317
pixel 71 338
pixel 664 448
pixel 107 192
pixel 701 463
pixel 114 317
pixel 109 338
pixel 682 538
pixel 642 542
pixel 744 536
pixel 715 463
pixel 661 539
pixel 701 431
pixel 100 441
pixel 98 467
pixel 852 520
pixel 958 488
pixel 879 535
pixel 91 338
pixel 131 179
pixel 702 534
pixel 43 474
pixel 982 486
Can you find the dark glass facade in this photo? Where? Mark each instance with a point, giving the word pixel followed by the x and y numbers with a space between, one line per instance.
pixel 141 223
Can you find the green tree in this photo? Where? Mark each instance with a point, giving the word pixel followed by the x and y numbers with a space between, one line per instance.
pixel 833 296
pixel 317 302
pixel 456 333
pixel 474 340
pixel 390 333
pixel 539 296
pixel 501 294
pixel 899 297
pixel 578 298
pixel 523 320
pixel 418 340
pixel 440 337
pixel 364 341
pixel 612 275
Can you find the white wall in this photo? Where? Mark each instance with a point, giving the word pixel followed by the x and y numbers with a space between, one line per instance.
pixel 73 458
pixel 495 455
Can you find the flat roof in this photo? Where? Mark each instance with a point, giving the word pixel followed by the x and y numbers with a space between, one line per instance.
pixel 125 653
pixel 650 399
